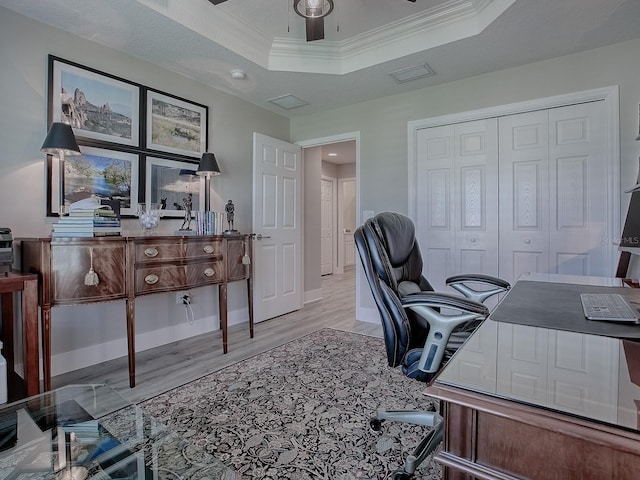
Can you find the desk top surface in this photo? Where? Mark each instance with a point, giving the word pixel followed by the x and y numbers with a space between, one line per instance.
pixel 89 431
pixel 590 375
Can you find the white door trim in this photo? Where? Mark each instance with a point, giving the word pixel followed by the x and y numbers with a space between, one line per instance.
pixel 610 96
pixel 361 312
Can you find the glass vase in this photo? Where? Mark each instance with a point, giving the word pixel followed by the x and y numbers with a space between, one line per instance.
pixel 149 215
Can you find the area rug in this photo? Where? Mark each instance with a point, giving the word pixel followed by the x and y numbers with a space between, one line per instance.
pixel 301 411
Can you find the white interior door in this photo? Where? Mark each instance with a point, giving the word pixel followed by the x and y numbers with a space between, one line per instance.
pixel 277 223
pixel 327 233
pixel 578 192
pixel 553 195
pixel 456 219
pixel 524 194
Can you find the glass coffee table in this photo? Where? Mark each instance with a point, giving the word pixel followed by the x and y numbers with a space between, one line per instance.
pixel 88 431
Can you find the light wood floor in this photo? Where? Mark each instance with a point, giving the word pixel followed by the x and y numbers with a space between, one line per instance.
pixel 169 366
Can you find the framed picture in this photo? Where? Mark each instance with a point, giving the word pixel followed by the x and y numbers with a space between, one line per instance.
pixel 173 184
pixel 175 125
pixel 97 105
pixel 98 172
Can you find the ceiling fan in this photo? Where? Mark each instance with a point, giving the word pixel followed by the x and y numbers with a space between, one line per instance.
pixel 313 11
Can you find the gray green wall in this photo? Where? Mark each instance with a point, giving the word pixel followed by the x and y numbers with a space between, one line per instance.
pixel 383 122
pixel 76 331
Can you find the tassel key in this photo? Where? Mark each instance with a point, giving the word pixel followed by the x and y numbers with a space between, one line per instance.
pixel 91 278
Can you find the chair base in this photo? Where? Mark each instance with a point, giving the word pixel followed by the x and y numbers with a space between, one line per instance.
pixel 426 446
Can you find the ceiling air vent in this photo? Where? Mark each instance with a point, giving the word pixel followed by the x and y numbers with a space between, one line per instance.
pixel 288 101
pixel 412 73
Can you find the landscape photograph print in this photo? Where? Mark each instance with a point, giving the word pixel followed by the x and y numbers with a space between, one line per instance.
pixel 175 125
pixel 97 106
pixel 100 174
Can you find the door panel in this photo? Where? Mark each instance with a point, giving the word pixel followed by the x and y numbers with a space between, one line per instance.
pixel 456 230
pixel 524 198
pixel 326 227
pixel 277 224
pixel 578 190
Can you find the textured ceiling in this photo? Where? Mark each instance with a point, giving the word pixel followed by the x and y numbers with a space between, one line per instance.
pixel 266 40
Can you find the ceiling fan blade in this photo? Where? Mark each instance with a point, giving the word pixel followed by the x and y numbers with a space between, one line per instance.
pixel 315 29
pixel 216 2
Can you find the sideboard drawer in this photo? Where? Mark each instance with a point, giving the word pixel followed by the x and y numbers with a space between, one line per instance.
pixel 166 251
pixel 158 251
pixel 204 248
pixel 175 277
pixel 70 267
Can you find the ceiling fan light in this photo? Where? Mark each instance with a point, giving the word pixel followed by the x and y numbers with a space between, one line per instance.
pixel 313 8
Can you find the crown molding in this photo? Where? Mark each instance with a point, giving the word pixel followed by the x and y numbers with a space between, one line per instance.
pixel 445 23
pixel 451 21
pixel 216 25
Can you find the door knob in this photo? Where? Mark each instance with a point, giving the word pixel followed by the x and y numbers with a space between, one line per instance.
pixel 260 236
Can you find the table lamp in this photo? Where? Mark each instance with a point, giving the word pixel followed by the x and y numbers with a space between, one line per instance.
pixel 207 168
pixel 60 141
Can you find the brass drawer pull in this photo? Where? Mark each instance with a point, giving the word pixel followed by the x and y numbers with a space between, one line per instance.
pixel 151 279
pixel 208 249
pixel 151 252
pixel 209 272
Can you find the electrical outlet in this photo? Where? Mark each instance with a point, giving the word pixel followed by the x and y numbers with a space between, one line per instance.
pixel 184 298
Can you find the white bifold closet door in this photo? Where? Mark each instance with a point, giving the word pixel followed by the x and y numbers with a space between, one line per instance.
pixel 553 195
pixel 514 194
pixel 456 208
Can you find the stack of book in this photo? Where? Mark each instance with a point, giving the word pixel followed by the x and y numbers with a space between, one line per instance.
pixel 209 223
pixel 106 222
pixel 92 220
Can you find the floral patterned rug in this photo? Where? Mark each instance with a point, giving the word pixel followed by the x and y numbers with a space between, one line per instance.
pixel 301 411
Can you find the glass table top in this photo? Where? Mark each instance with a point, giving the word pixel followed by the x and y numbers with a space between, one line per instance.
pixel 89 431
pixel 596 377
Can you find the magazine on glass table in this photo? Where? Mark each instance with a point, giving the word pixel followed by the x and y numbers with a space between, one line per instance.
pixel 608 307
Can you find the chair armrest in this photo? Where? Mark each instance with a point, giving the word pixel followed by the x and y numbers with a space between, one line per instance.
pixel 428 306
pixel 444 300
pixel 458 282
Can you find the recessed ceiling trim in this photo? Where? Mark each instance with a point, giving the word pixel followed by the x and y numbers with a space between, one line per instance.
pixel 218 26
pixel 442 24
pixel 455 20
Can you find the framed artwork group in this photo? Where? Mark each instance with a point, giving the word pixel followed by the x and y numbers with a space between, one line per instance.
pixel 137 144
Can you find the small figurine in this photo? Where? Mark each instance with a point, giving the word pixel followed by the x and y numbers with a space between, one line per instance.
pixel 187 203
pixel 229 208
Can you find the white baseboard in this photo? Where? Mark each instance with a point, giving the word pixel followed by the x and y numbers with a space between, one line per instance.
pixel 312 296
pixel 369 315
pixel 94 354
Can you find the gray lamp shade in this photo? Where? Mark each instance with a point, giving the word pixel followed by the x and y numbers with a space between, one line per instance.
pixel 208 165
pixel 60 139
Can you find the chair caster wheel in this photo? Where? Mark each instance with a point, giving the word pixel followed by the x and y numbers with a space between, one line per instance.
pixel 375 424
pixel 401 474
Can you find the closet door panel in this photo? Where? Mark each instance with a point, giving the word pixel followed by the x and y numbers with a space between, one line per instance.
pixel 476 193
pixel 578 190
pixel 434 204
pixel 524 199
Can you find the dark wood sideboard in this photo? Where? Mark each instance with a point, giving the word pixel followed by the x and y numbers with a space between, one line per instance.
pixel 131 266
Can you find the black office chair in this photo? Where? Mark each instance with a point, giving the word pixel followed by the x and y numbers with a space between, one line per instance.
pixel 421 328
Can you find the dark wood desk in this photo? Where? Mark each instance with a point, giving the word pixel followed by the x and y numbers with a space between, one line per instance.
pixel 11 283
pixel 521 401
pixel 131 266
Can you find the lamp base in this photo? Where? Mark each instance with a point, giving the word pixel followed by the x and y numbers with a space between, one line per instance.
pixel 230 232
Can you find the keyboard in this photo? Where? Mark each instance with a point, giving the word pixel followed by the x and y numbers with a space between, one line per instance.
pixel 608 306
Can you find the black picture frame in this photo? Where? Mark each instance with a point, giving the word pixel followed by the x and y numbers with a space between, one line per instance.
pixel 100 172
pixel 175 125
pixel 101 108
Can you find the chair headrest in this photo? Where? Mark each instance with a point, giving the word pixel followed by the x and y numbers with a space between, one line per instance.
pixel 398 234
